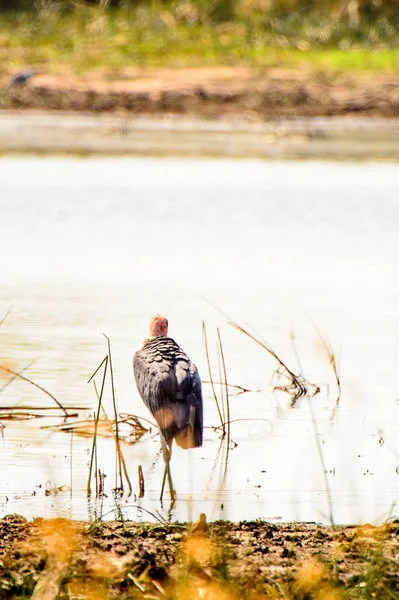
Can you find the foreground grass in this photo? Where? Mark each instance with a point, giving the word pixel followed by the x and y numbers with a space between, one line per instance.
pixel 57 558
pixel 184 34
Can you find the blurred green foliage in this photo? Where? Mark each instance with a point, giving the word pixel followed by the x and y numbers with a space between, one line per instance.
pixel 230 10
pixel 81 35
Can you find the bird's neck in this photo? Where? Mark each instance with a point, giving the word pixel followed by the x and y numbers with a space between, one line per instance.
pixel 152 337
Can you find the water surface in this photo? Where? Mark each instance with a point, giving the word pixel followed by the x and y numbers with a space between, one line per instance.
pixel 96 246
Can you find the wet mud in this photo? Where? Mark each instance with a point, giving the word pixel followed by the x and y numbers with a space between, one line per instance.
pixel 58 558
pixel 219 92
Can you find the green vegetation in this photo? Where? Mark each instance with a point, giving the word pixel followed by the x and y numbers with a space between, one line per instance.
pixel 78 37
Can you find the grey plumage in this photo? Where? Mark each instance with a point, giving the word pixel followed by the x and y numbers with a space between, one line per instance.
pixel 21 78
pixel 170 387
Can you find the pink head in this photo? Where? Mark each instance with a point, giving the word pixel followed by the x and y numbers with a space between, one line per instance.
pixel 158 326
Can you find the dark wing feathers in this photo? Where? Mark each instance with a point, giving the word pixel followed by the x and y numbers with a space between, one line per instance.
pixel 170 387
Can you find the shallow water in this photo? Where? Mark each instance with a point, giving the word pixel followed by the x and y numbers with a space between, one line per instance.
pixel 97 245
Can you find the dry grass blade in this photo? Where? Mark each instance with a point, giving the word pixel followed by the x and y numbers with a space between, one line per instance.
pixel 20 416
pixel 135 423
pixel 240 389
pixel 96 419
pixel 296 387
pixel 332 360
pixel 14 377
pixel 136 583
pixel 211 378
pixel 5 317
pixel 119 460
pixel 36 385
pixel 41 408
pixel 121 457
pixel 226 388
pixel 98 368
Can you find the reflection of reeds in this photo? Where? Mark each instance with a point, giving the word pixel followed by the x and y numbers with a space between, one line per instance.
pixel 222 405
pixel 225 395
pixel 231 386
pixel 211 378
pixel 333 362
pixel 317 439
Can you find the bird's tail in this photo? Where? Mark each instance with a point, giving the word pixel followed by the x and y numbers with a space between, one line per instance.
pixel 191 435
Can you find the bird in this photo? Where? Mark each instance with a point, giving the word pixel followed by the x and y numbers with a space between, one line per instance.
pixel 21 78
pixel 170 386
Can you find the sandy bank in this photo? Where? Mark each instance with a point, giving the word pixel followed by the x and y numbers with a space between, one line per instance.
pixel 330 138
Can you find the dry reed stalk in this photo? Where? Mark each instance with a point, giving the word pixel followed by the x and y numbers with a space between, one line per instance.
pixel 222 400
pixel 211 378
pixel 141 482
pixel 5 317
pixel 70 466
pixel 122 458
pixel 226 389
pixel 118 471
pixel 136 583
pixel 121 469
pixel 96 469
pixel 333 362
pixel 135 422
pixel 296 387
pixel 14 377
pixel 240 389
pixel 96 418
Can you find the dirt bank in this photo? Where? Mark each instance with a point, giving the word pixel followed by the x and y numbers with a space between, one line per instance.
pixel 222 560
pixel 218 92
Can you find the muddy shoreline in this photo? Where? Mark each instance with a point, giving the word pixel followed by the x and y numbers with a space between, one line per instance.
pixel 221 559
pixel 211 93
pixel 230 112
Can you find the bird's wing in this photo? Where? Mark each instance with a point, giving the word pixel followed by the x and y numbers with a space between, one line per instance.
pixel 169 385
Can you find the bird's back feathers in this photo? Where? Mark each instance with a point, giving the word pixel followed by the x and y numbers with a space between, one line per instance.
pixel 170 387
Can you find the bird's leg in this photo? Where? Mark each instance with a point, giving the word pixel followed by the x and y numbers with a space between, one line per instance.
pixel 167 452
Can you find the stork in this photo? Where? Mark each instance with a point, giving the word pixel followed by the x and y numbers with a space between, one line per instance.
pixel 170 387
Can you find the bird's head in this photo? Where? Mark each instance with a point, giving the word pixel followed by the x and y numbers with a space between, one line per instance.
pixel 158 326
